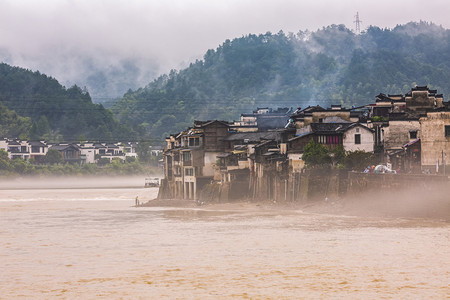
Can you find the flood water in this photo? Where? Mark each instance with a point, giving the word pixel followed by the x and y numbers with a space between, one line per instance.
pixel 91 243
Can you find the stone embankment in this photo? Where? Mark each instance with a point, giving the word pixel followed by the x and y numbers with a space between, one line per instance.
pixel 333 191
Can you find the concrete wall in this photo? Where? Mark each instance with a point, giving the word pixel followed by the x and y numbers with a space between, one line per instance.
pixel 210 163
pixel 367 140
pixel 360 183
pixel 433 139
pixel 296 163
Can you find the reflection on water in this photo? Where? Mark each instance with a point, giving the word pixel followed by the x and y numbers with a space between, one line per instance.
pixel 93 248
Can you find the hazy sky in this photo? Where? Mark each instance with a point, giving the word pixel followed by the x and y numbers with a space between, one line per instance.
pixel 55 35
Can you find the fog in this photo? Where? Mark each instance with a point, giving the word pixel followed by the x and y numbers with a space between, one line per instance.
pixel 85 182
pixel 427 201
pixel 111 46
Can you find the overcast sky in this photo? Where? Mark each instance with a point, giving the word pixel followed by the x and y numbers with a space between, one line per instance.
pixel 164 34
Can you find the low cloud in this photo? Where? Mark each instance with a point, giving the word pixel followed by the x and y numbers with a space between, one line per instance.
pixel 77 40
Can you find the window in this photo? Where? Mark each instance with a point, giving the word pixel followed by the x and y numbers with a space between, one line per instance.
pixel 413 134
pixel 189 172
pixel 322 139
pixel 35 149
pixel 332 139
pixel 357 129
pixel 187 156
pixel 447 130
pixel 357 138
pixel 194 142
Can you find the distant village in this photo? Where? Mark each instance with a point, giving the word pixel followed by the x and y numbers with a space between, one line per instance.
pixel 260 156
pixel 75 152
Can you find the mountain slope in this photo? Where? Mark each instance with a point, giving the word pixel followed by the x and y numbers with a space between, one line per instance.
pixel 53 111
pixel 331 65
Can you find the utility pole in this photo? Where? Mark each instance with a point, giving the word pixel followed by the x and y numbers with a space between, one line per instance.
pixel 357 24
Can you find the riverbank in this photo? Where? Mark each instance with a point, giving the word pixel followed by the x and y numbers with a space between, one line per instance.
pixel 395 206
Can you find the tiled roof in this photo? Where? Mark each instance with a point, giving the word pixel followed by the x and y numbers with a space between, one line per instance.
pixel 329 128
pixel 37 143
pixel 254 136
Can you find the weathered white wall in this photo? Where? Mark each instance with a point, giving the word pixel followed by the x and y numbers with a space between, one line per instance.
pixel 367 140
pixel 433 139
pixel 296 162
pixel 397 134
pixel 90 155
pixel 210 163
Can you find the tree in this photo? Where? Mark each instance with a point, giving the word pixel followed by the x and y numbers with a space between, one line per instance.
pixel 316 155
pixel 338 156
pixel 4 161
pixel 143 151
pixel 358 160
pixel 53 156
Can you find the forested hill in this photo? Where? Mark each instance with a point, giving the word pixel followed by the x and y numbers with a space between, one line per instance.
pixel 35 106
pixel 331 65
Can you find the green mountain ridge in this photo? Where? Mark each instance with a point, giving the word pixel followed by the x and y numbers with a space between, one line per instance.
pixel 35 106
pixel 329 66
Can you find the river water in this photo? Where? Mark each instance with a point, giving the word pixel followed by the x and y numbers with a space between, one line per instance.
pixel 91 243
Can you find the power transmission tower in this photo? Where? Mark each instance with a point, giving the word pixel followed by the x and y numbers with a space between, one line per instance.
pixel 357 24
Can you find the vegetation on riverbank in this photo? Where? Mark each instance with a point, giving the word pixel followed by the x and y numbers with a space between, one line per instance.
pixel 20 167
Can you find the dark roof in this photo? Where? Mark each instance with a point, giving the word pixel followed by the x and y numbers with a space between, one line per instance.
pixel 411 143
pixel 420 88
pixel 329 128
pixel 300 136
pixel 265 143
pixel 382 98
pixel 37 143
pixel 253 137
pixel 271 121
pixel 13 143
pixel 209 122
pixel 308 110
pixel 64 147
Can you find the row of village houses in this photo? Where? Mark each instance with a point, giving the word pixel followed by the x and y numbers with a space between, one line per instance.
pixel 411 132
pixel 81 153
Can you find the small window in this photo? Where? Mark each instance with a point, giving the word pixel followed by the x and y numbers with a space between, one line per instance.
pixel 413 134
pixel 358 139
pixel 35 149
pixel 357 129
pixel 189 172
pixel 447 130
pixel 194 142
pixel 187 156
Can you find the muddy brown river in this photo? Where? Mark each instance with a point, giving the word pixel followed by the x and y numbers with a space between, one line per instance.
pixel 90 243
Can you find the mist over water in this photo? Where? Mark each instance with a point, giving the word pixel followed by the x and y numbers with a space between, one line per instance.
pixel 98 246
